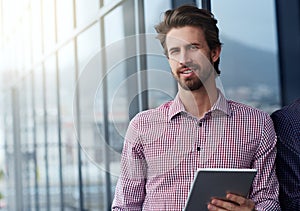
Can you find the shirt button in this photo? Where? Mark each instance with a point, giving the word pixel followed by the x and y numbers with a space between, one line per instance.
pixel 198 149
pixel 200 124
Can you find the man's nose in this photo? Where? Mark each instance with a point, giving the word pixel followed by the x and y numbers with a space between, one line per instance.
pixel 184 58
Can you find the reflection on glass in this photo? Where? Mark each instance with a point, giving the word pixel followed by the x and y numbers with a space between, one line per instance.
pixel 88 44
pixel 249 66
pixel 114 25
pixel 160 81
pixel 66 58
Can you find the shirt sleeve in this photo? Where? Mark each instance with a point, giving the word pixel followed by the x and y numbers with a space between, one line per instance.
pixel 287 163
pixel 265 185
pixel 130 189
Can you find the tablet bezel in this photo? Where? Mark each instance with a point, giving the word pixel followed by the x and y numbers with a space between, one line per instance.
pixel 216 182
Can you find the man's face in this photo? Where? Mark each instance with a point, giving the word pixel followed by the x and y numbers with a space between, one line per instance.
pixel 190 57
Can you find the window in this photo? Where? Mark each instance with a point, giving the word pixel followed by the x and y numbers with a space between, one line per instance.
pixel 110 47
pixel 249 63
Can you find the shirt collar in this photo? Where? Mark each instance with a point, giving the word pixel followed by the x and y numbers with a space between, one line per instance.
pixel 176 107
pixel 221 105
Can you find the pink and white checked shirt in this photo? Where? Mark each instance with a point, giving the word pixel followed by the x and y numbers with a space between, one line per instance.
pixel 164 147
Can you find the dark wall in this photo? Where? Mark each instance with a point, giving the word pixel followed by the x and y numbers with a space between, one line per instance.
pixel 177 3
pixel 288 26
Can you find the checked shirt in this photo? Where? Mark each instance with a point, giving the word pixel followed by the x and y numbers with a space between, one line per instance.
pixel 164 146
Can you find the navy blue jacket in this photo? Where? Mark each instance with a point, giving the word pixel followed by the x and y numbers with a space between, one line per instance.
pixel 287 126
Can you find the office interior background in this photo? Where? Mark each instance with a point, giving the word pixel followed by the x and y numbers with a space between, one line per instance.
pixel 62 129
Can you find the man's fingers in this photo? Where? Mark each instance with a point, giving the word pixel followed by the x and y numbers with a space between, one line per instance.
pixel 240 200
pixel 237 199
pixel 224 204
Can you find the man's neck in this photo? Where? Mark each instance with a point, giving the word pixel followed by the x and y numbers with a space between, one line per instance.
pixel 198 102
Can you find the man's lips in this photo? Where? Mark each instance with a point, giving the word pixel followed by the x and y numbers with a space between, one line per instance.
pixel 186 70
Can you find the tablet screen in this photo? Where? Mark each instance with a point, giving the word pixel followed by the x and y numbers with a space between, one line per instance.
pixel 216 182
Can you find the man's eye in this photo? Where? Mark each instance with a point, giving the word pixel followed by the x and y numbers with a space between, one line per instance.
pixel 174 51
pixel 193 47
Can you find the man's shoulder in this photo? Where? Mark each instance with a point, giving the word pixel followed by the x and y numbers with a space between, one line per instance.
pixel 159 112
pixel 287 118
pixel 239 108
pixel 289 111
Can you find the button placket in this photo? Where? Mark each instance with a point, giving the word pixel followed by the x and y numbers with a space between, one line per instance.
pixel 198 147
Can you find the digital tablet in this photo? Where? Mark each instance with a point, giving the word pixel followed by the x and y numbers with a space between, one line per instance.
pixel 216 182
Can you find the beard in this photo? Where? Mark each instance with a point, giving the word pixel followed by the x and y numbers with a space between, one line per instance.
pixel 190 84
pixel 198 81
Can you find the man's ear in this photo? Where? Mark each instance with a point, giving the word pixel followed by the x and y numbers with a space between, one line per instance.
pixel 215 53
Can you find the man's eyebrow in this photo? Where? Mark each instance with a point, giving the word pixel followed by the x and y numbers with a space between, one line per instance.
pixel 195 43
pixel 173 48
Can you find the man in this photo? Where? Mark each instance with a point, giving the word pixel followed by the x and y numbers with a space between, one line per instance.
pixel 287 127
pixel 200 128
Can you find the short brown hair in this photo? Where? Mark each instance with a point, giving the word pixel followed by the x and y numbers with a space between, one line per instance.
pixel 188 15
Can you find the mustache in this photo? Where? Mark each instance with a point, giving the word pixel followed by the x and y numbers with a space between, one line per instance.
pixel 189 65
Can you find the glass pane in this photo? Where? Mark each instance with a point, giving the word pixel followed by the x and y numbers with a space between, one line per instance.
pixel 7 188
pixel 26 125
pixel 27 138
pixel 90 75
pixel 112 34
pixel 65 25
pixel 39 137
pixel 66 58
pixel 88 44
pixel 154 13
pixel 114 92
pixel 48 25
pixel 36 34
pixel 52 133
pixel 249 65
pixel 161 84
pixel 85 11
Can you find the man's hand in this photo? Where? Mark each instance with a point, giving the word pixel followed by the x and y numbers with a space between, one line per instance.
pixel 232 202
